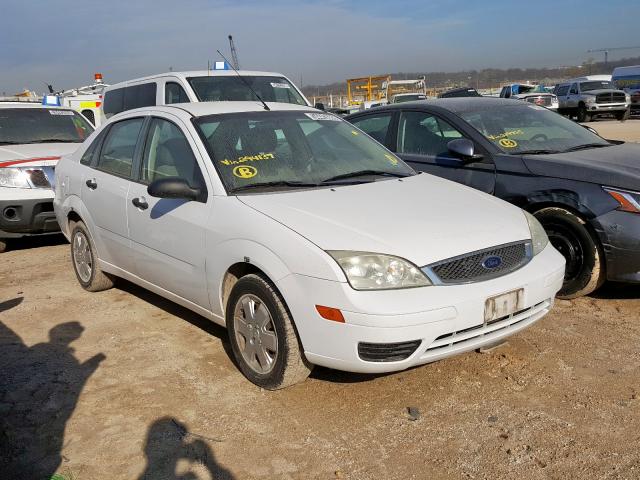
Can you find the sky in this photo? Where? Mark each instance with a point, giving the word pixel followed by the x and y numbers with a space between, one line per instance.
pixel 63 42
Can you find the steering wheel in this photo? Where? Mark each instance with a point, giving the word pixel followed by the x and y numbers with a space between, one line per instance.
pixel 541 136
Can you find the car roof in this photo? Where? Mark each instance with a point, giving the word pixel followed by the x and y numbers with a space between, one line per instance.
pixel 13 104
pixel 196 73
pixel 201 109
pixel 456 105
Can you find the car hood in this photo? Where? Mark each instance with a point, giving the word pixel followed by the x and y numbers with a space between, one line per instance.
pixel 36 154
pixel 421 218
pixel 614 166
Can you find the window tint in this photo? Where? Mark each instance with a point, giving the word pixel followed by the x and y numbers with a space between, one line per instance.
pixel 574 88
pixel 138 96
pixel 113 102
pixel 217 88
pixel 374 125
pixel 562 90
pixel 117 152
pixel 174 93
pixel 168 154
pixel 424 134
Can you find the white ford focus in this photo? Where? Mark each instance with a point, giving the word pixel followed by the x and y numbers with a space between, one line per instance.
pixel 309 241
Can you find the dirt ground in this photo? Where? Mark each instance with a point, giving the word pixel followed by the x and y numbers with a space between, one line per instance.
pixel 123 384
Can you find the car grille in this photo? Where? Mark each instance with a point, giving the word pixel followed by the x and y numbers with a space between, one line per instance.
pixel 542 100
pixel 480 265
pixel 387 352
pixel 38 178
pixel 611 97
pixel 459 338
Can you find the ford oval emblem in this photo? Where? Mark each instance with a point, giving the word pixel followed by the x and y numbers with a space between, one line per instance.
pixel 492 262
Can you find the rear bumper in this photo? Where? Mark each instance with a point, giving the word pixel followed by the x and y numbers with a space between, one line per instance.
pixel 27 212
pixel 620 236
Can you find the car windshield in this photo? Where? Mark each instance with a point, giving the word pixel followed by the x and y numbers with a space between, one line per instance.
pixel 286 149
pixel 524 128
pixel 232 88
pixel 40 125
pixel 586 86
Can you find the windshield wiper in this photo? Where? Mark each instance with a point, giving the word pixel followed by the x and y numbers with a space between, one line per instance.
pixel 540 151
pixel 586 146
pixel 363 173
pixel 55 140
pixel 276 183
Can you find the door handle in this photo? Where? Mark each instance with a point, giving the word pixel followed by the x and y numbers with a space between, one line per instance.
pixel 92 184
pixel 140 203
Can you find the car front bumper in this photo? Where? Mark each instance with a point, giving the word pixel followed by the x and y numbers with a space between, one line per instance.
pixel 619 233
pixel 26 212
pixel 607 107
pixel 439 321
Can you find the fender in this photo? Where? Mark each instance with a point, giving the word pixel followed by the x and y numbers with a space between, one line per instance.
pixel 233 251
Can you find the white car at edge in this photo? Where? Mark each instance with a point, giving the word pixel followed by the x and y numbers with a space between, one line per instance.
pixel 32 140
pixel 308 240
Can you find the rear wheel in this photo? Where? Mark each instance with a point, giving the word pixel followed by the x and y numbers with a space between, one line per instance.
pixel 624 115
pixel 583 114
pixel 263 339
pixel 85 260
pixel 568 233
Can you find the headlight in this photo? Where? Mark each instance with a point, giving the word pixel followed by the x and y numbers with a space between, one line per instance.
pixel 628 201
pixel 374 271
pixel 590 99
pixel 13 177
pixel 539 237
pixel 627 98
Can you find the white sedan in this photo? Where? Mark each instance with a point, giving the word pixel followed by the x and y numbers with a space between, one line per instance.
pixel 308 240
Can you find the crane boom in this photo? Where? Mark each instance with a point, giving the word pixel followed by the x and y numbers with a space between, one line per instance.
pixel 234 53
pixel 607 50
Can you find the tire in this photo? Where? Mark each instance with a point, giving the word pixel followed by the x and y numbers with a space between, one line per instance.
pixel 583 115
pixel 568 233
pixel 84 260
pixel 622 116
pixel 279 364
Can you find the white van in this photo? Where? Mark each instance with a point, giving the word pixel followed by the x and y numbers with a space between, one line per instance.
pixel 200 86
pixel 628 79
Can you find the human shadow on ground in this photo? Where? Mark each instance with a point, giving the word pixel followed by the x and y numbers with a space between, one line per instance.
pixel 171 447
pixel 36 241
pixel 39 389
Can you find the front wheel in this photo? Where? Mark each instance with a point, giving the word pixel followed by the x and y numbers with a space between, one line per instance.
pixel 263 338
pixel 583 114
pixel 568 233
pixel 624 115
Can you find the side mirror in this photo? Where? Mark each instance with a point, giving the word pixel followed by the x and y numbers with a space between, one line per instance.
pixel 463 149
pixel 319 106
pixel 173 187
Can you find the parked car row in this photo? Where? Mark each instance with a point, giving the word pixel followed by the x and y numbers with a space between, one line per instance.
pixel 347 244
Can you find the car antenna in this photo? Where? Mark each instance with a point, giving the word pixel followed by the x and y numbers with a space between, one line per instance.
pixel 266 107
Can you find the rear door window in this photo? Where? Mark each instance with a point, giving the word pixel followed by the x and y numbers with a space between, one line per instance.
pixel 376 126
pixel 113 102
pixel 174 93
pixel 116 156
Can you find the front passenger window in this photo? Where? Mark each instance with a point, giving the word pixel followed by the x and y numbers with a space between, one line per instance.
pixel 117 152
pixel 168 154
pixel 424 134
